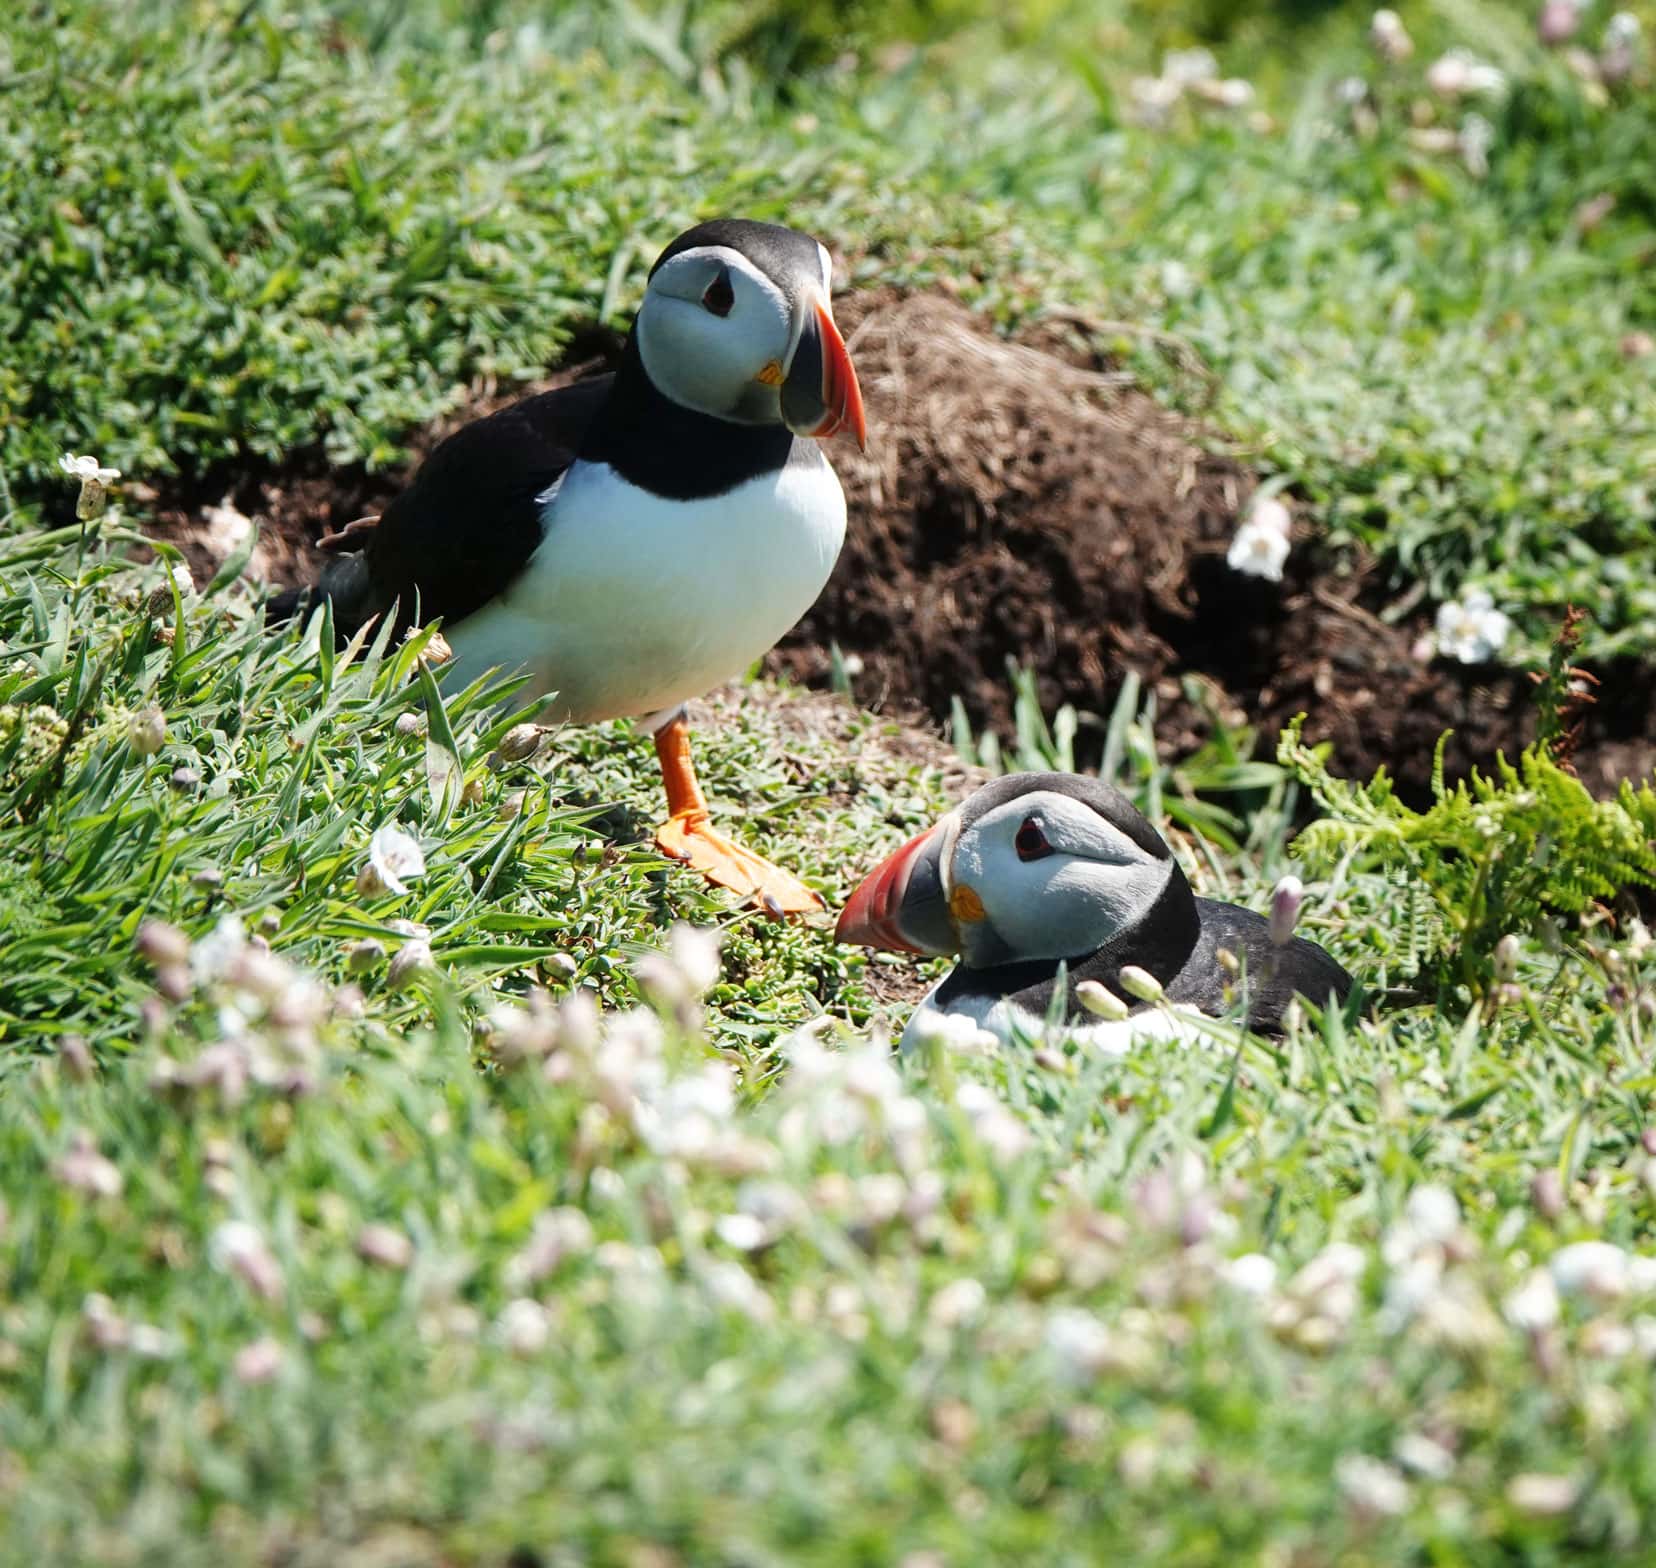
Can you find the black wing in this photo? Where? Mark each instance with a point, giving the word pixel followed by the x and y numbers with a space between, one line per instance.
pixel 1275 974
pixel 469 520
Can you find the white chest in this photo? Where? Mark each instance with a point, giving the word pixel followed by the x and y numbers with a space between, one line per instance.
pixel 634 604
pixel 1012 1025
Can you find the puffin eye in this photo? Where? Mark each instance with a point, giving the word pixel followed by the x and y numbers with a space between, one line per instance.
pixel 1031 842
pixel 719 296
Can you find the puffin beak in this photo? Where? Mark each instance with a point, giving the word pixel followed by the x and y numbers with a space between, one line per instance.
pixel 820 395
pixel 902 905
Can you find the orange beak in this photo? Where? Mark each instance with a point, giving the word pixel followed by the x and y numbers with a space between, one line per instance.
pixel 840 393
pixel 820 395
pixel 901 906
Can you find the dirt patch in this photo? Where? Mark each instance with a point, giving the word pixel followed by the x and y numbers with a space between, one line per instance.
pixel 1022 501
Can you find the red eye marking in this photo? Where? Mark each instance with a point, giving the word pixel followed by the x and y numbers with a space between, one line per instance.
pixel 720 296
pixel 1031 842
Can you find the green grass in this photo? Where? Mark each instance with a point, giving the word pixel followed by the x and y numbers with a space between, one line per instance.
pixel 991 1313
pixel 725 1283
pixel 233 232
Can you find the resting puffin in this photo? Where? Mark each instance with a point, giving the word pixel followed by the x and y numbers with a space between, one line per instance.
pixel 1039 869
pixel 634 539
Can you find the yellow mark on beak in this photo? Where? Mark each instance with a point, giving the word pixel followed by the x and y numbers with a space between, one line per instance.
pixel 771 375
pixel 964 904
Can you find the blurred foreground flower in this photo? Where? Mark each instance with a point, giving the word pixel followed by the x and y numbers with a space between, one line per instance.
pixel 1558 22
pixel 1459 74
pixel 86 1170
pixel 1260 547
pixel 1371 1486
pixel 94 479
pixel 239 1249
pixel 1619 54
pixel 1389 37
pixel 258 1362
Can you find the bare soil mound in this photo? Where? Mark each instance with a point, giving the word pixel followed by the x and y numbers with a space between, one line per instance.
pixel 1021 501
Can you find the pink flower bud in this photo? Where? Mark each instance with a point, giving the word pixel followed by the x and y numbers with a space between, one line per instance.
pixel 1287 897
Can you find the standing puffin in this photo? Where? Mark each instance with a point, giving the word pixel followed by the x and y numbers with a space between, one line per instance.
pixel 632 540
pixel 1042 869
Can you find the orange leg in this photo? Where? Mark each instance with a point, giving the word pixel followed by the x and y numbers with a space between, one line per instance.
pixel 689 835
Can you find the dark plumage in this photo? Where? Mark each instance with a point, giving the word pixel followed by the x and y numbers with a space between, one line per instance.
pixel 629 541
pixel 1019 885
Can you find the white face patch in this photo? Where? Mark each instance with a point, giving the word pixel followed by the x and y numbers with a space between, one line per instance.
pixel 827 269
pixel 1077 883
pixel 706 360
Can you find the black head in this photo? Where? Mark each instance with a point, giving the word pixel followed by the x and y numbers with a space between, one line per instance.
pixel 1033 866
pixel 736 323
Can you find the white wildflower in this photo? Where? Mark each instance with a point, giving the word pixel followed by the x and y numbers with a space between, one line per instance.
pixel 688 1115
pixel 1079 1342
pixel 1002 1132
pixel 558 1234
pixel 151 1343
pixel 94 480
pixel 1371 1485
pixel 1328 1283
pixel 88 467
pixel 1622 28
pixel 525 1327
pixel 392 857
pixel 744 1232
pixel 1177 280
pixel 384 1245
pixel 1558 21
pixel 1260 547
pixel 239 1249
pixel 1389 37
pixel 1477 136
pixel 1542 1496
pixel 1183 67
pixel 86 1170
pixel 1533 1306
pixel 954 1032
pixel 1459 74
pixel 1433 1211
pixel 1154 96
pixel 1471 629
pixel 1604 1339
pixel 695 950
pixel 958 1302
pixel 730 1285
pixel 258 1362
pixel 1424 1455
pixel 1599 1270
pixel 1253 1274
pixel 216 954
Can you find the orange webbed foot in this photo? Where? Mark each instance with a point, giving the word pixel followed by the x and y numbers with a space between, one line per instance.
pixel 689 836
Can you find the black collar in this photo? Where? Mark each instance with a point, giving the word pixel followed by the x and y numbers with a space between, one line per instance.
pixel 673 451
pixel 1160 941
